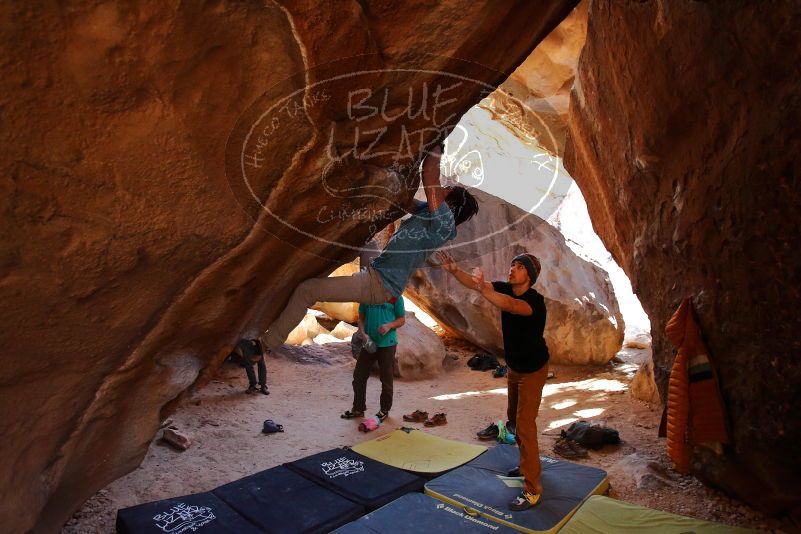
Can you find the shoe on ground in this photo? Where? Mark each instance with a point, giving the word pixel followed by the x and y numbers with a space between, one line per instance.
pixel 263 390
pixel 578 449
pixel 251 389
pixel 352 414
pixel 567 448
pixel 369 424
pixel 500 371
pixel 438 420
pixel 418 416
pixel 491 432
pixel 511 427
pixel 524 501
pixel 563 449
pixel 514 472
pixel 382 415
pixel 271 427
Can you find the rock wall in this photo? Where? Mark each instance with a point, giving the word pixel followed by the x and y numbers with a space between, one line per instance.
pixel 534 101
pixel 584 325
pixel 684 136
pixel 171 171
pixel 420 351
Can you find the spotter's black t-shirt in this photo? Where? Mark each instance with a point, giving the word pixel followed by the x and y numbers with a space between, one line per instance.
pixel 523 341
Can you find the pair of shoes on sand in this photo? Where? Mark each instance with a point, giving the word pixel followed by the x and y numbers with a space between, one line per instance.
pixel 252 389
pixel 419 416
pixel 356 414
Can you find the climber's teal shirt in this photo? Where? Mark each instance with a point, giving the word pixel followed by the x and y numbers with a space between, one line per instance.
pixel 412 243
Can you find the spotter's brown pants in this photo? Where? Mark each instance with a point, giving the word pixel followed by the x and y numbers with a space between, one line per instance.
pixel 525 392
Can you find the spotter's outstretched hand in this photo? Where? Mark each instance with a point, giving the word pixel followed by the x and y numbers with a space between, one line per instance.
pixel 478 278
pixel 446 261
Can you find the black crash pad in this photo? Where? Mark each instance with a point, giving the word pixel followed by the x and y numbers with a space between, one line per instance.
pixel 356 477
pixel 199 513
pixel 279 500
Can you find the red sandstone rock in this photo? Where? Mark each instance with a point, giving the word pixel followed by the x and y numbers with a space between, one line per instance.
pixel 176 438
pixel 132 247
pixel 685 141
pixel 533 102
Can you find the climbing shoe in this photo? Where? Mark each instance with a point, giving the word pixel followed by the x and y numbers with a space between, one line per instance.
pixel 500 371
pixel 491 432
pixel 524 501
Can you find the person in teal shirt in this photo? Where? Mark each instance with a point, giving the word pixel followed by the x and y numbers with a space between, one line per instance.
pixel 378 322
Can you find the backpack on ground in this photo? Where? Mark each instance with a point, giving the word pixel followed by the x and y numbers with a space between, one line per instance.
pixel 591 436
pixel 482 361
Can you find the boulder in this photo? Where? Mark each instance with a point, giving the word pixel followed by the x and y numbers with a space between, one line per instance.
pixel 584 325
pixel 322 339
pixel 643 385
pixel 640 472
pixel 308 329
pixel 344 331
pixel 684 138
pixel 165 190
pixel 533 102
pixel 639 340
pixel 176 438
pixel 420 351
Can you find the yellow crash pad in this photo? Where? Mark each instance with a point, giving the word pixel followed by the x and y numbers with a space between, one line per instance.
pixel 602 515
pixel 418 451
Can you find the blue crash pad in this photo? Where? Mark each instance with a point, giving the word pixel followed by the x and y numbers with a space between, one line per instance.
pixel 482 486
pixel 415 512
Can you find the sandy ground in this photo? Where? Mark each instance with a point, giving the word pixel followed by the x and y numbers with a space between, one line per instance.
pixel 310 387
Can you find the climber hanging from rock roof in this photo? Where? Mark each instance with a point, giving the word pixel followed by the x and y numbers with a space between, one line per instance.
pixel 432 224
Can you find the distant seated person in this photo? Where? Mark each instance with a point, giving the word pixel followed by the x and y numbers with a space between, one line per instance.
pixel 251 352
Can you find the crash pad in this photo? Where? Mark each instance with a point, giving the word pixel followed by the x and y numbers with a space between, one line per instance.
pixel 356 477
pixel 415 512
pixel 482 486
pixel 279 500
pixel 201 512
pixel 602 515
pixel 418 451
